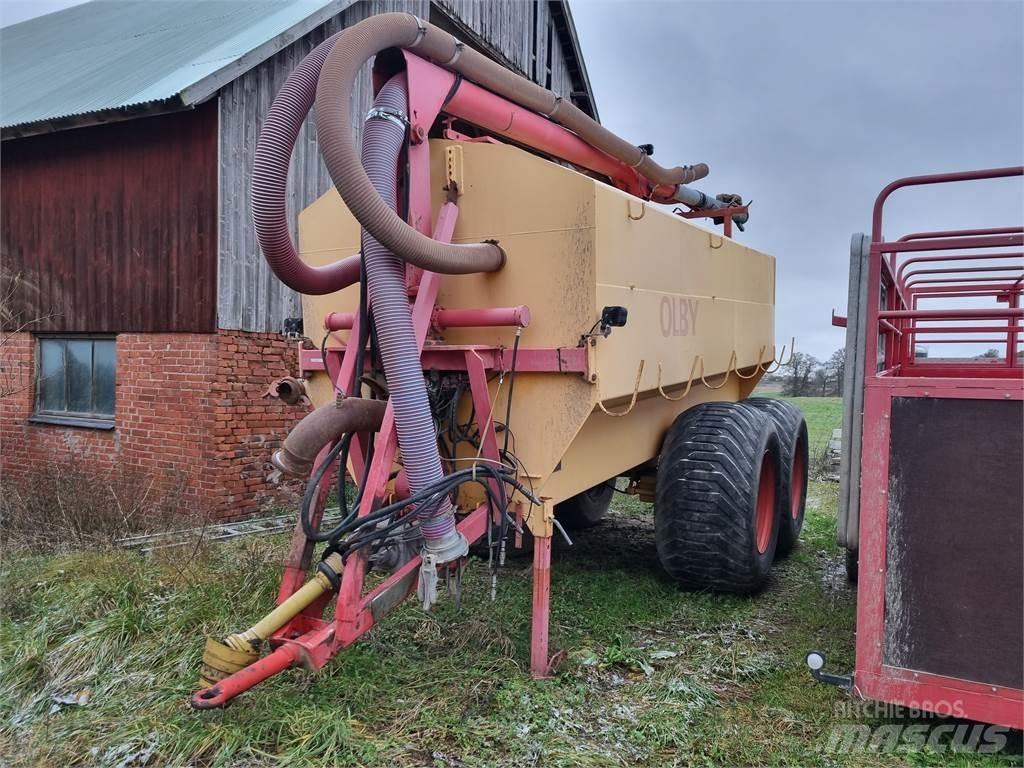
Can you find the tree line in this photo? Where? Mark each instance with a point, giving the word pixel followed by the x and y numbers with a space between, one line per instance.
pixel 804 375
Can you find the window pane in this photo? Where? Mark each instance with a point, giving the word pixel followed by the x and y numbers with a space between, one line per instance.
pixel 51 375
pixel 79 373
pixel 104 363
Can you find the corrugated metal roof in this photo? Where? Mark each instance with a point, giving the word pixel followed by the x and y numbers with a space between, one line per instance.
pixel 110 55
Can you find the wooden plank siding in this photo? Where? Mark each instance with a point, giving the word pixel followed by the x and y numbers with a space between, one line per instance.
pixel 115 225
pixel 519 34
pixel 251 298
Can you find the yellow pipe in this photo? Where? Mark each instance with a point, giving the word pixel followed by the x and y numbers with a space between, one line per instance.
pixel 249 640
pixel 242 648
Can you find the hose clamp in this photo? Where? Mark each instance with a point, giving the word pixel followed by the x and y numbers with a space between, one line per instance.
pixel 558 102
pixel 396 116
pixel 459 45
pixel 421 31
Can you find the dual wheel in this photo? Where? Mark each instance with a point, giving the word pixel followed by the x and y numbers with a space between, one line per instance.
pixel 730 493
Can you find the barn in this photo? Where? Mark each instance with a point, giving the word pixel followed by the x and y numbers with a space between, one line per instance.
pixel 141 325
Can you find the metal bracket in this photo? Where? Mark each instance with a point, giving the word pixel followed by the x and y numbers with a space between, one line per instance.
pixel 815 661
pixel 426 590
pixel 453 169
pixel 541 521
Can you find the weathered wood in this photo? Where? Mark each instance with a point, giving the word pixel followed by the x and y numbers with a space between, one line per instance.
pixel 250 297
pixel 114 226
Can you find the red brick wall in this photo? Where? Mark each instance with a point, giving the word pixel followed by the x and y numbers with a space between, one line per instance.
pixel 189 413
pixel 247 426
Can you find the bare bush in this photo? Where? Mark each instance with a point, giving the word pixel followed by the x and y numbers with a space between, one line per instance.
pixel 69 504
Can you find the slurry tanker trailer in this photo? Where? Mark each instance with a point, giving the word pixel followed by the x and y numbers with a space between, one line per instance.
pixel 509 325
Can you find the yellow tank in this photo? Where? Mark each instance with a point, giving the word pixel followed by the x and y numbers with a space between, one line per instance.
pixel 695 299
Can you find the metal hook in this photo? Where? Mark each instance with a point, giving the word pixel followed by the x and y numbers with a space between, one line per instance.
pixel 636 391
pixel 629 210
pixel 778 362
pixel 728 370
pixel 757 368
pixel 689 382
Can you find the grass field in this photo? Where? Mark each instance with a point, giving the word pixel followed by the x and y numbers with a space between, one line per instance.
pixel 653 675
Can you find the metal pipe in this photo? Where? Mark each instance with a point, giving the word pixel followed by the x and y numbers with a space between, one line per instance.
pixel 945 233
pixel 953 314
pixel 890 327
pixel 939 178
pixel 942 257
pixel 964 329
pixel 703 202
pixel 497 115
pixel 328 422
pixel 491 317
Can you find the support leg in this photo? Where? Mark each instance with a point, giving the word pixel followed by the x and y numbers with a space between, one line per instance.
pixel 541 524
pixel 541 608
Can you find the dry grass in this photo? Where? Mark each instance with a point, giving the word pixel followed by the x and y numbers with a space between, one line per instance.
pixel 71 505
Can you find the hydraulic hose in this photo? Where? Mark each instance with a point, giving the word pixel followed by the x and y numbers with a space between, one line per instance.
pixel 334 119
pixel 383 140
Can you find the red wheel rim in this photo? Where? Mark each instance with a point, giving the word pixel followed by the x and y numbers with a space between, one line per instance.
pixel 765 504
pixel 797 481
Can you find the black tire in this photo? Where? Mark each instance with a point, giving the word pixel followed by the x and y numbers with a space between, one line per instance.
pixel 715 522
pixel 852 565
pixel 792 429
pixel 586 509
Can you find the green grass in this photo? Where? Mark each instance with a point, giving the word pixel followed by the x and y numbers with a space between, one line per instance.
pixel 653 675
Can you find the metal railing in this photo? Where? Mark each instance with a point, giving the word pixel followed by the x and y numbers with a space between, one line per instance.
pixel 964 290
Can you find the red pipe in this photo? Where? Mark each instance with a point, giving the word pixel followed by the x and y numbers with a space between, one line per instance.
pixel 491 317
pixel 956 257
pixel 938 178
pixel 915 329
pixel 953 314
pixel 944 233
pixel 245 678
pixel 539 662
pixel 497 115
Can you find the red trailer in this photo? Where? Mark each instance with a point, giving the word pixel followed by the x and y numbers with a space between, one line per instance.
pixel 932 497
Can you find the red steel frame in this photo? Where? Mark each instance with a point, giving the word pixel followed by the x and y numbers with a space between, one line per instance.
pixel 891 371
pixel 309 639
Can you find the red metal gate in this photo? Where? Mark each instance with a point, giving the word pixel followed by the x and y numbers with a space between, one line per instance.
pixel 941 588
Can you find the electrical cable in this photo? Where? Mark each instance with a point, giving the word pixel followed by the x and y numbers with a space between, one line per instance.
pixel 511 386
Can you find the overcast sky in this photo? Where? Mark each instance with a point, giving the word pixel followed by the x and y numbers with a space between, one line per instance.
pixel 809 109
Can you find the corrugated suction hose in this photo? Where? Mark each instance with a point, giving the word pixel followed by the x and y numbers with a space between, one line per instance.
pixel 326 76
pixel 270 184
pixel 383 139
pixel 334 132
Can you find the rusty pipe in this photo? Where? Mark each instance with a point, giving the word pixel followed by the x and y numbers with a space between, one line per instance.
pixel 289 390
pixel 328 422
